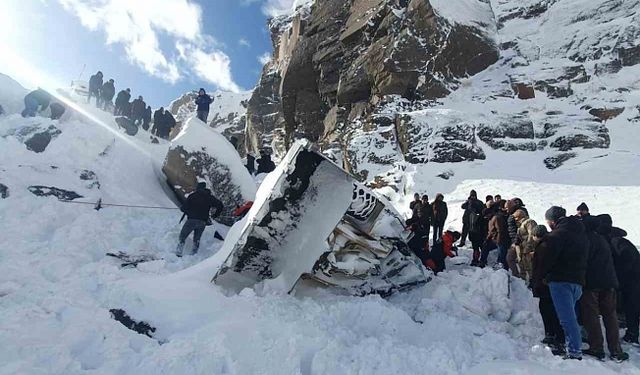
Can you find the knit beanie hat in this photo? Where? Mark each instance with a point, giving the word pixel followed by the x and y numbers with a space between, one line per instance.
pixel 555 213
pixel 539 231
pixel 583 207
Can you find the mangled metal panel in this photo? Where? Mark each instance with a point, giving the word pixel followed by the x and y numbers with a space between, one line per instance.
pixel 317 226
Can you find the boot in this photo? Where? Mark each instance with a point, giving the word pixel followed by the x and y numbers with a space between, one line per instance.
pixel 619 357
pixel 597 354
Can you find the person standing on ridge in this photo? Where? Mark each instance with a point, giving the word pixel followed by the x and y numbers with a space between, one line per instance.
pixel 35 101
pixel 564 270
pixel 106 94
pixel 197 209
pixel 122 102
pixel 146 118
pixel 440 213
pixel 203 101
pixel 95 85
pixel 138 107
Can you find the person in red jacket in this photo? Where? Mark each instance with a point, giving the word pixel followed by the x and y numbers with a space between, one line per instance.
pixel 441 250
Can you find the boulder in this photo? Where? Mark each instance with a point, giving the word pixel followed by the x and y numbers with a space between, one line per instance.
pixel 525 91
pixel 554 162
pixel 4 191
pixel 47 191
pixel 357 246
pixel 38 142
pixel 200 153
pixel 605 114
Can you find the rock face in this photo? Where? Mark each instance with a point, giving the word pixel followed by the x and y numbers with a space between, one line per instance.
pixel 36 137
pixel 47 191
pixel 357 246
pixel 378 84
pixel 199 153
pixel 227 113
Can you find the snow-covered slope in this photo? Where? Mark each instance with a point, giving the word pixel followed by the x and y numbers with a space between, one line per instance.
pixel 11 95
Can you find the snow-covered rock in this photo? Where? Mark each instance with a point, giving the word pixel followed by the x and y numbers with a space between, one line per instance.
pixel 199 153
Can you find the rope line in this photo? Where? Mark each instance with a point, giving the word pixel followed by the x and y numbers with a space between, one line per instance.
pixel 101 204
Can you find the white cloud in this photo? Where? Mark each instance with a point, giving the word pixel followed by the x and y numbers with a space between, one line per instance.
pixel 282 7
pixel 137 26
pixel 244 42
pixel 264 58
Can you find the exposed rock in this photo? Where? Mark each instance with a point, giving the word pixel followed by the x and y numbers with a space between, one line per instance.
pixel 140 327
pixel 446 174
pixel 132 261
pixel 4 191
pixel 525 91
pixel 566 143
pixel 202 154
pixel 61 194
pixel 38 142
pixel 91 178
pixel 554 162
pixel 606 114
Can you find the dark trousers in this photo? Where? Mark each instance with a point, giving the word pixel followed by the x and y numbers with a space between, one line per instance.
pixel 203 115
pixel 195 226
pixel 476 244
pixel 593 304
pixel 465 232
pixel 437 231
pixel 487 247
pixel 631 306
pixel 552 327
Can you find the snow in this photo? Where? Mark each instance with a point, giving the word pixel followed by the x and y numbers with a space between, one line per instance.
pixel 11 95
pixel 476 13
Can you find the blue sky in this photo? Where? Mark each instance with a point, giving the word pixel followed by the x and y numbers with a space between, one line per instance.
pixel 158 48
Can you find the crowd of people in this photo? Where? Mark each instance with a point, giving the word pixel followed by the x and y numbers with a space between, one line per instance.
pixel 579 270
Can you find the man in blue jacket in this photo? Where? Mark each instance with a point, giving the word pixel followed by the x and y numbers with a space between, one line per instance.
pixel 203 101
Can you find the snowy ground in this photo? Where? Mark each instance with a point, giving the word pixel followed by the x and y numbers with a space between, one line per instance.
pixel 57 285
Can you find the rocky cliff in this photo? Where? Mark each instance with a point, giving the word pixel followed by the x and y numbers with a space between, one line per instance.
pixel 382 84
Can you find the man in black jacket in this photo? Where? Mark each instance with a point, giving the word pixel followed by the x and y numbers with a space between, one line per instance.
pixel 95 85
pixel 197 208
pixel 599 296
pixel 138 107
pixel 107 92
pixel 265 164
pixel 472 207
pixel 146 118
pixel 122 102
pixel 626 260
pixel 203 101
pixel 564 270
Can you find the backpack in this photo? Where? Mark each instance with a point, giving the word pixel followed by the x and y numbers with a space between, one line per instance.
pixel 475 223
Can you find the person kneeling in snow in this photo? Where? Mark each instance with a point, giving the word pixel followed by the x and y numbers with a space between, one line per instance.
pixel 197 209
pixel 442 249
pixel 35 101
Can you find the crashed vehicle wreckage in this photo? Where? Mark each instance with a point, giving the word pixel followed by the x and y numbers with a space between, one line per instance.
pixel 315 226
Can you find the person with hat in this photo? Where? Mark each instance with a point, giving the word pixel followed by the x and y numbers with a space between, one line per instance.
pixel 203 102
pixel 582 210
pixel 197 209
pixel 95 85
pixel 564 270
pixel 107 92
pixel 473 208
pixel 122 102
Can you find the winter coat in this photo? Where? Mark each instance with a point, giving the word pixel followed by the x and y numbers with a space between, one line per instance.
pixel 440 211
pixel 147 115
pixel 440 251
pixel 203 102
pixel 95 83
pixel 513 225
pixel 122 98
pixel 265 164
pixel 470 207
pixel 108 91
pixel 626 258
pixel 138 108
pixel 419 241
pixel 158 123
pixel 526 246
pixel 537 283
pixel 568 252
pixel 498 231
pixel 427 213
pixel 42 97
pixel 601 272
pixel 414 206
pixel 199 204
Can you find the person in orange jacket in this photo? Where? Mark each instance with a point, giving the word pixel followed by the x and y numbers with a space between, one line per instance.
pixel 441 250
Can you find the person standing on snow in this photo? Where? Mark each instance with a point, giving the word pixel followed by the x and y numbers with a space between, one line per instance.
pixel 138 107
pixel 197 209
pixel 498 236
pixel 146 118
pixel 564 270
pixel 203 101
pixel 599 296
pixel 582 210
pixel 95 85
pixel 106 94
pixel 517 214
pixel 35 101
pixel 473 206
pixel 626 260
pixel 415 205
pixel 553 332
pixel 440 213
pixel 122 102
